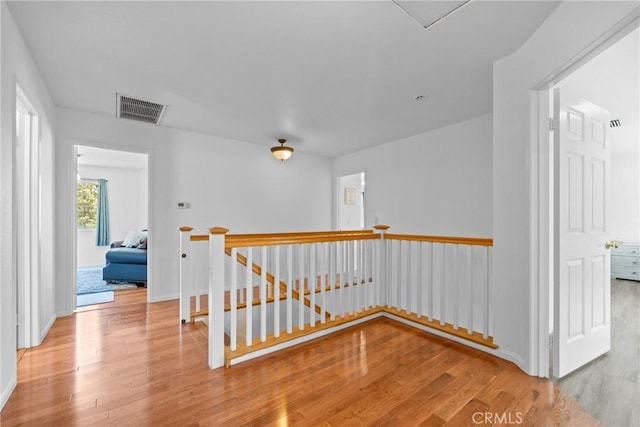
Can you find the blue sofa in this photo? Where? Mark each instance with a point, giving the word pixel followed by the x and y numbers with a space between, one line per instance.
pixel 125 264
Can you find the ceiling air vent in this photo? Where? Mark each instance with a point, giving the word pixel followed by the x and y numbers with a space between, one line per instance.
pixel 137 109
pixel 615 123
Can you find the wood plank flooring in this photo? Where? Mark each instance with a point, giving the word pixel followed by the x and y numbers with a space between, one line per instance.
pixel 609 387
pixel 129 363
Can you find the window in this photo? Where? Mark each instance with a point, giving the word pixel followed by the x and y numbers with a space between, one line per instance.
pixel 87 205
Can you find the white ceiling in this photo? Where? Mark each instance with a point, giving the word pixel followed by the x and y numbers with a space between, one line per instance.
pixel 331 77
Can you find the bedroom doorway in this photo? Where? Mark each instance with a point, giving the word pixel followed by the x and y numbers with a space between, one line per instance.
pixel 111 209
pixel 610 307
pixel 350 202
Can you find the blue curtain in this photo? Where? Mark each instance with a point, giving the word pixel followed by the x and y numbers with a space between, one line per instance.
pixel 102 227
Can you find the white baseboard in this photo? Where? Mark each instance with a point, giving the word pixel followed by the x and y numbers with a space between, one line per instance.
pixel 499 352
pixel 47 327
pixel 161 298
pixel 515 359
pixel 6 393
pixel 303 339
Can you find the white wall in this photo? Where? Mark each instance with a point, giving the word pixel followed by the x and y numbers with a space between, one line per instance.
pixel 625 197
pixel 127 209
pixel 229 183
pixel 437 183
pixel 18 67
pixel 570 29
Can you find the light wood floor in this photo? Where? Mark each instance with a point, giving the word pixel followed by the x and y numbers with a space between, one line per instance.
pixel 609 387
pixel 128 363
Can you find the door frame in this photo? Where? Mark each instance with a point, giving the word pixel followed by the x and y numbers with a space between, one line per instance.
pixel 28 177
pixel 72 191
pixel 541 189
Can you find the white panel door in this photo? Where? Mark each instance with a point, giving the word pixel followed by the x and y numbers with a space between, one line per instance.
pixel 582 291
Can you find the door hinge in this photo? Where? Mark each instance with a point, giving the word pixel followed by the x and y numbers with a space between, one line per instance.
pixel 551 341
pixel 552 124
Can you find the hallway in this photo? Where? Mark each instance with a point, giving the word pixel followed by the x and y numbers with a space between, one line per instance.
pixel 131 363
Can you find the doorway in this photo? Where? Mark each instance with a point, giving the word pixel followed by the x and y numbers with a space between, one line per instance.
pixel 111 206
pixel 609 80
pixel 616 73
pixel 350 202
pixel 27 221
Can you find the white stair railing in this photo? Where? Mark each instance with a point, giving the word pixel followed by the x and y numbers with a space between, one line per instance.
pixel 267 291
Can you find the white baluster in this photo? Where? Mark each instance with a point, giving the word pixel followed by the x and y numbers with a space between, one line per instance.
pixel 432 281
pixel 487 305
pixel 362 296
pixel 249 290
pixel 378 281
pixel 351 294
pixel 366 273
pixel 233 296
pixel 456 288
pixel 263 295
pixel 276 293
pixel 340 274
pixel 301 287
pixel 242 291
pixel 312 284
pixel 399 282
pixel 410 284
pixel 419 283
pixel 332 280
pixel 185 267
pixel 443 287
pixel 323 277
pixel 201 256
pixel 389 273
pixel 471 287
pixel 355 283
pixel 290 289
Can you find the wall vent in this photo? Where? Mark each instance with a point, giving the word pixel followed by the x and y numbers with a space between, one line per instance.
pixel 615 123
pixel 138 109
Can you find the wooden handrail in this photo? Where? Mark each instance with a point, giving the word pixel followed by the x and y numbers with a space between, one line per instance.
pixel 474 241
pixel 302 233
pixel 314 236
pixel 238 242
pixel 257 270
pixel 246 240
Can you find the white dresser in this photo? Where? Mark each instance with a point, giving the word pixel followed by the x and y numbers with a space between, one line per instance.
pixel 625 262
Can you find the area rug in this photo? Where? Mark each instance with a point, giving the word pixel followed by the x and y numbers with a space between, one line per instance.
pixel 89 281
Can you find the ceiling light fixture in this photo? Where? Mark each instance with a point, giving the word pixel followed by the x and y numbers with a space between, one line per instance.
pixel 281 152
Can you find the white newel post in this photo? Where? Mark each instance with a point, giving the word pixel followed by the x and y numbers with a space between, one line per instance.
pixel 216 296
pixel 381 281
pixel 185 284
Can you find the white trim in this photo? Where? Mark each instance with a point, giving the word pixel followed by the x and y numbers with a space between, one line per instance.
pixel 161 298
pixel 47 327
pixel 6 393
pixel 502 354
pixel 303 339
pixel 540 181
pixel 26 174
